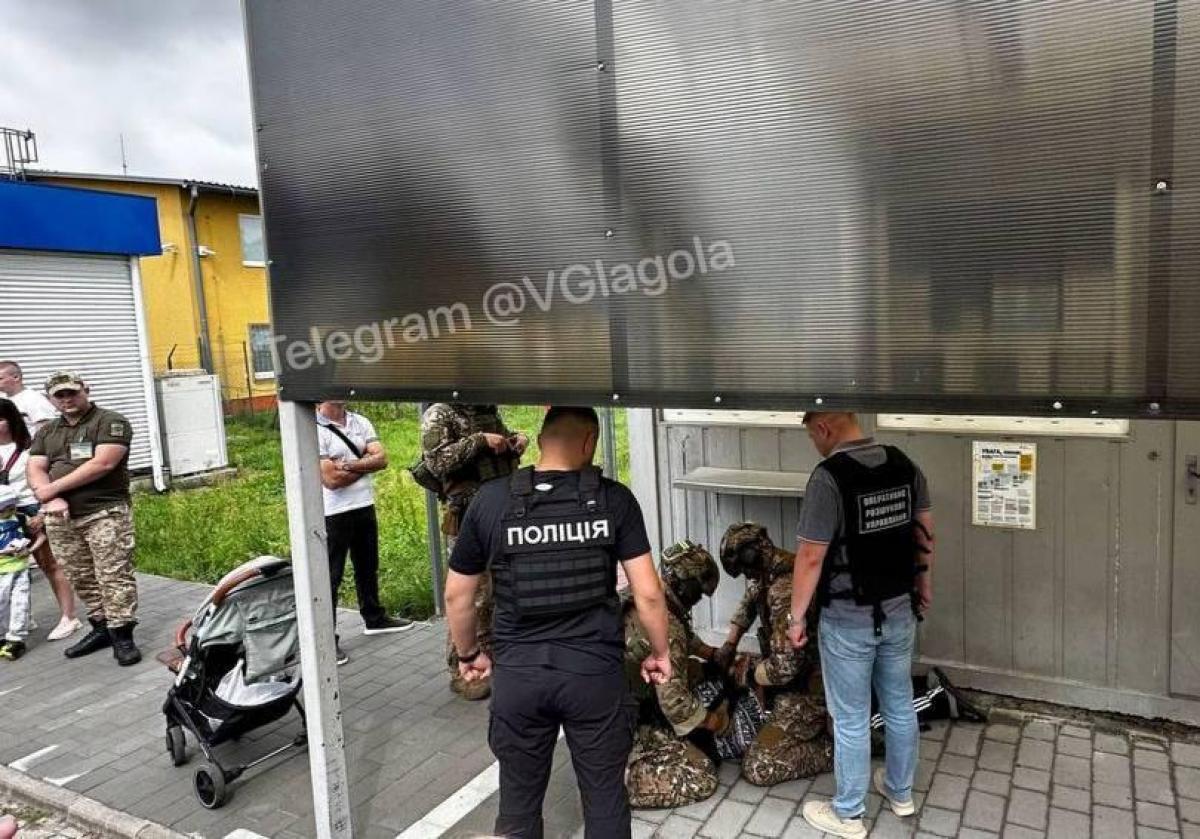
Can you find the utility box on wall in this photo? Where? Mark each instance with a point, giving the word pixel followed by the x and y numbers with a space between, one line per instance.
pixel 192 421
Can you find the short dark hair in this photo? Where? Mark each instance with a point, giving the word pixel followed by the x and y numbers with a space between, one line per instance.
pixel 16 423
pixel 582 414
pixel 810 416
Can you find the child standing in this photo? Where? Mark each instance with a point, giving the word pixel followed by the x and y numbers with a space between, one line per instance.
pixel 15 548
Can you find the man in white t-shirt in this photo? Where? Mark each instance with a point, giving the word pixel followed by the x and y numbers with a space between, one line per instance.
pixel 350 452
pixel 34 406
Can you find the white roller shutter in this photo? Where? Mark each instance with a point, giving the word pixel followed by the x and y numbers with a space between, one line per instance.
pixel 76 312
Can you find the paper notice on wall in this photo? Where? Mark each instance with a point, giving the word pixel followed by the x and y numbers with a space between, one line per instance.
pixel 1005 481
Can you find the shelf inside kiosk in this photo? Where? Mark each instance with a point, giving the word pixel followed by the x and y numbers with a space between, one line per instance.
pixel 732 481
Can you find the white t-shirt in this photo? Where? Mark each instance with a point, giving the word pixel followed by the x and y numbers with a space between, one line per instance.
pixel 35 408
pixel 360 493
pixel 16 474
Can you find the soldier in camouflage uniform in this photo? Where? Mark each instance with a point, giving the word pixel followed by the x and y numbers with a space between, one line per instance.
pixel 463 446
pixel 79 471
pixel 666 768
pixel 794 743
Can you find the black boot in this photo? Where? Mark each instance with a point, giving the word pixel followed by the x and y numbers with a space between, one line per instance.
pixel 124 650
pixel 95 640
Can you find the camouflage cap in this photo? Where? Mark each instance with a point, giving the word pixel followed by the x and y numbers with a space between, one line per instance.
pixel 689 571
pixel 743 546
pixel 63 379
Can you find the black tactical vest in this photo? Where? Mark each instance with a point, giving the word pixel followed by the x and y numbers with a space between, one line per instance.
pixel 556 548
pixel 879 507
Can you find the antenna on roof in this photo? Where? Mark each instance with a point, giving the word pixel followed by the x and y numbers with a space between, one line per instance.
pixel 124 162
pixel 20 147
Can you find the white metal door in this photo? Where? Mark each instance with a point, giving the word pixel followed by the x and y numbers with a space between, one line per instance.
pixel 77 312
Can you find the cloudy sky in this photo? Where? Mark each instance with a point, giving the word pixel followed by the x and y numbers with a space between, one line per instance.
pixel 168 74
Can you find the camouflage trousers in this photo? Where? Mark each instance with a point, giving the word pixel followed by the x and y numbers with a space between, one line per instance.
pixel 794 743
pixel 484 606
pixel 97 551
pixel 665 771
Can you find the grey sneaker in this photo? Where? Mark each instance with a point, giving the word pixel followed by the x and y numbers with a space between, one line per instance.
pixel 820 814
pixel 900 808
pixel 342 658
pixel 387 625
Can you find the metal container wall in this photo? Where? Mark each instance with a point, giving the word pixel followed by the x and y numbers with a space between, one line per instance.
pixel 1077 611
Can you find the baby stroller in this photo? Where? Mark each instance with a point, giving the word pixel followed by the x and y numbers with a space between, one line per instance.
pixel 237 669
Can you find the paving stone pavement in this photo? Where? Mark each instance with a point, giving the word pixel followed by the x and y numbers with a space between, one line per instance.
pixel 98 729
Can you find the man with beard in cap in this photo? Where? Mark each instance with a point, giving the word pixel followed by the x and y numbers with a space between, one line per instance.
pixel 79 471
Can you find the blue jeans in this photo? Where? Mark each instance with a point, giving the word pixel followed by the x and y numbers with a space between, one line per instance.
pixel 853 659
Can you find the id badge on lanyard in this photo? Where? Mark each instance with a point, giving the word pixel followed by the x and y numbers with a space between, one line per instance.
pixel 82 450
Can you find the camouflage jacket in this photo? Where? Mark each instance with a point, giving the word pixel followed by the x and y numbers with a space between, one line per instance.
pixel 454 449
pixel 769 600
pixel 675 698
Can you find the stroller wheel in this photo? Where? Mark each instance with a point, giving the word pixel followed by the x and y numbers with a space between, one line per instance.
pixel 209 781
pixel 176 745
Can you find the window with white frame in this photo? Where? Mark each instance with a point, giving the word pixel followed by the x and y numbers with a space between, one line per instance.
pixel 717 416
pixel 260 351
pixel 1021 426
pixel 251 230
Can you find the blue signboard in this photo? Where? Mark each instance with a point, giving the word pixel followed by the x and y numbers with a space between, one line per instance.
pixel 57 218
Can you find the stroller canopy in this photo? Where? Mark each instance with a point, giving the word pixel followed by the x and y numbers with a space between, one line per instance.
pixel 255 605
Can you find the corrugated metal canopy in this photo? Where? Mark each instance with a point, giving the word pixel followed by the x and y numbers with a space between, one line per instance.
pixel 970 207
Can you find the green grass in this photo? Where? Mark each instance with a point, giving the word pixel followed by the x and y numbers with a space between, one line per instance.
pixel 200 534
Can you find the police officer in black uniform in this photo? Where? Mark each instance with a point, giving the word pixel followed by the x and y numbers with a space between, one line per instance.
pixel 551 535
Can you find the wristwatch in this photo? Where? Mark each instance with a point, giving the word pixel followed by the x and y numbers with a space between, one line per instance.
pixel 467 659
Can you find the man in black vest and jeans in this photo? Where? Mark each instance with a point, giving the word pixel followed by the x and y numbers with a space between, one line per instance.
pixel 551 536
pixel 866 553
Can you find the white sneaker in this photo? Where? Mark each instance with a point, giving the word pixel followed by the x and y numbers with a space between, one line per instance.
pixel 820 815
pixel 65 629
pixel 900 808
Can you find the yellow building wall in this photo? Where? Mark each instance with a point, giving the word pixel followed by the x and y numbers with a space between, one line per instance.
pixel 171 319
pixel 235 294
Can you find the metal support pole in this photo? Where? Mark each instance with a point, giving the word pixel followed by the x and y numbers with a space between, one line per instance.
pixel 206 358
pixel 643 470
pixel 433 532
pixel 608 442
pixel 314 613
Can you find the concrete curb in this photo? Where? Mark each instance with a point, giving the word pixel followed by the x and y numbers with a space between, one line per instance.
pixel 84 813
